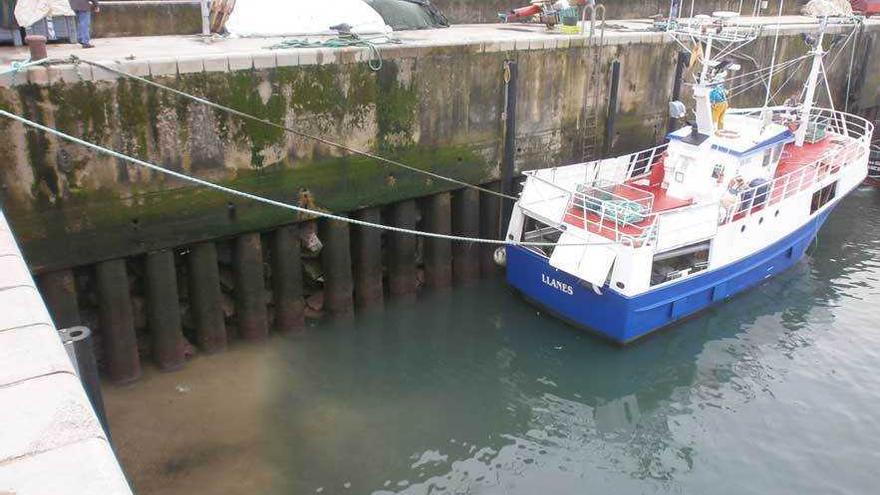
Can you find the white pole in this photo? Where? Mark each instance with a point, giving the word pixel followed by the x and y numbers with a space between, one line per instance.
pixel 810 95
pixel 206 17
pixel 707 56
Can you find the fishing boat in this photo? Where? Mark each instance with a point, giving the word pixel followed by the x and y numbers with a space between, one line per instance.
pixel 625 246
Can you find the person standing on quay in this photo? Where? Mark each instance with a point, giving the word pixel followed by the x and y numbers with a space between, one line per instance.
pixel 83 10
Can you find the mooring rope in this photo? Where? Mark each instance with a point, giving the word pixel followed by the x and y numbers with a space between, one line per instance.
pixel 76 60
pixel 280 204
pixel 341 41
pixel 17 66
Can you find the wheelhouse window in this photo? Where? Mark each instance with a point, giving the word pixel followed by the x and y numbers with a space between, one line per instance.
pixel 680 263
pixel 537 231
pixel 823 196
pixel 771 155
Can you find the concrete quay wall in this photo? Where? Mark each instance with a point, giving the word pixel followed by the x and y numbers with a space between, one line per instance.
pixel 51 440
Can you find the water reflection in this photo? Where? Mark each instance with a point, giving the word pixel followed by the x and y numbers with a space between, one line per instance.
pixel 474 391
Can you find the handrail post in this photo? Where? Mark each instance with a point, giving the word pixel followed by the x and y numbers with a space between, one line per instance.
pixel 206 17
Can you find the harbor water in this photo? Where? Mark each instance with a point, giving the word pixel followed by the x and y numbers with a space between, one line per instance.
pixel 473 391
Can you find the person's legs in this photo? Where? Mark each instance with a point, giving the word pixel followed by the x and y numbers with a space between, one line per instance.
pixel 84 26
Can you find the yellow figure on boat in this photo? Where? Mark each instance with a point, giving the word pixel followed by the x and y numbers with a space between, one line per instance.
pixel 718 98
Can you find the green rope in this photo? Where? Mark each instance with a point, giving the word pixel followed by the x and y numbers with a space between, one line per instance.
pixel 342 41
pixel 15 67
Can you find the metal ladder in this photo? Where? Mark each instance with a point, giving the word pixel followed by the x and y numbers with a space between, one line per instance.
pixel 589 119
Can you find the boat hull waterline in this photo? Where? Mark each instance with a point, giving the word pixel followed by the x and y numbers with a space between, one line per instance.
pixel 623 319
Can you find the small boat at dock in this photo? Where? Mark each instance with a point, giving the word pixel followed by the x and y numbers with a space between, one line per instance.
pixel 625 246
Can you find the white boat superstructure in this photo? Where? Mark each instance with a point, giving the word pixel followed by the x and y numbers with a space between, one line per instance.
pixel 693 204
pixel 638 241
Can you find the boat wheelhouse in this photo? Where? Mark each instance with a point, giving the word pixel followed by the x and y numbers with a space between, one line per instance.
pixel 627 245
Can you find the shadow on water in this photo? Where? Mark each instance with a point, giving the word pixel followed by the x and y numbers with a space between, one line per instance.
pixel 475 391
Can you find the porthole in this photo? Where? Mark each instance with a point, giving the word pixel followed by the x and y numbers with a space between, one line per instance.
pixel 760 220
pixel 620 285
pixel 776 214
pixel 742 229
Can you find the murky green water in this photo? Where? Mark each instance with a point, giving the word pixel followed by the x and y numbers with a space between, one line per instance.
pixel 475 392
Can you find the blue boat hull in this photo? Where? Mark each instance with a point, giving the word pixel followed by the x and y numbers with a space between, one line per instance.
pixel 623 319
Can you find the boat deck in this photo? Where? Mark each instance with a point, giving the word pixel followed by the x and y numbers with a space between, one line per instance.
pixel 794 158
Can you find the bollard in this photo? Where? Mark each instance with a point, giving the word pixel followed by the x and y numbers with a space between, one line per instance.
pixel 490 212
pixel 336 262
pixel 402 252
pixel 59 291
pixel 287 279
pixel 205 298
pixel 367 252
pixel 37 46
pixel 438 252
pixel 466 222
pixel 77 342
pixel 117 325
pixel 163 311
pixel 250 288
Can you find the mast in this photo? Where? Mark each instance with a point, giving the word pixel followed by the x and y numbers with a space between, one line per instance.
pixel 707 58
pixel 812 83
pixel 703 111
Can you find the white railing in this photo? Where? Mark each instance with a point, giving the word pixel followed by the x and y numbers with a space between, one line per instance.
pixel 627 218
pixel 850 139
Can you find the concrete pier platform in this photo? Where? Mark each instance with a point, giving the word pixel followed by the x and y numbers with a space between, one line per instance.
pixel 168 55
pixel 50 439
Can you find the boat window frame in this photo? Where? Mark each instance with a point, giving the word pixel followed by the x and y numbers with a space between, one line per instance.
pixel 704 246
pixel 545 251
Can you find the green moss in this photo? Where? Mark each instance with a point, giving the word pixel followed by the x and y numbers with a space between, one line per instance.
pixel 243 95
pixel 396 107
pixel 175 216
pixel 133 116
pixel 81 109
pixel 45 187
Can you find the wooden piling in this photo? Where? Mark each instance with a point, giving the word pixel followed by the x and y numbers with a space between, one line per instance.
pixel 250 289
pixel 117 324
pixel 402 281
pixel 287 279
pixel 59 291
pixel 205 297
pixel 490 228
pixel 367 253
pixel 438 252
pixel 336 262
pixel 163 311
pixel 466 222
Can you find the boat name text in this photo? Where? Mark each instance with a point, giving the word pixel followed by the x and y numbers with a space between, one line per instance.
pixel 556 284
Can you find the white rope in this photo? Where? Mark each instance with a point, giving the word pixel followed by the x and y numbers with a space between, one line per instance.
pixel 76 60
pixel 773 57
pixel 751 83
pixel 279 204
pixel 849 72
pixel 16 67
pixel 787 80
